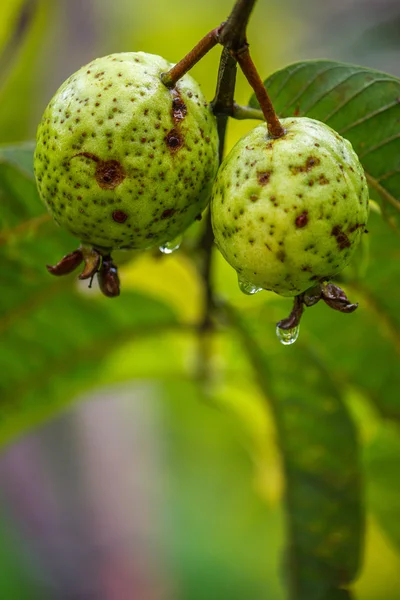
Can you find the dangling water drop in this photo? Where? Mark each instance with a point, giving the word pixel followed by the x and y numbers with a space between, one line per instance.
pixel 246 287
pixel 170 247
pixel 287 336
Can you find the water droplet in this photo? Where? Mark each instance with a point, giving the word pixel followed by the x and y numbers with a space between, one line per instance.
pixel 287 336
pixel 246 287
pixel 170 247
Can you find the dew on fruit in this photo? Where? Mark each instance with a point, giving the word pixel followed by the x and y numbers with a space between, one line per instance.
pixel 170 247
pixel 287 336
pixel 246 287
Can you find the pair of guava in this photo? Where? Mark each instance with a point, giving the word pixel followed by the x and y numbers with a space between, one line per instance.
pixel 122 161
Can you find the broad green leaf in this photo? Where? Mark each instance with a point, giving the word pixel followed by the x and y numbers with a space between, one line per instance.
pixel 361 104
pixel 318 444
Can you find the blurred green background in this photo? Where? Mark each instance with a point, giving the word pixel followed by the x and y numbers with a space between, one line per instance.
pixel 139 460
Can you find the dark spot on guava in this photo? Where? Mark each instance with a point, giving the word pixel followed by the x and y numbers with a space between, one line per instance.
pixel 174 140
pixel 109 174
pixel 168 213
pixel 355 227
pixel 310 163
pixel 302 220
pixel 322 180
pixel 119 216
pixel 179 110
pixel 263 177
pixel 341 238
pixel 280 255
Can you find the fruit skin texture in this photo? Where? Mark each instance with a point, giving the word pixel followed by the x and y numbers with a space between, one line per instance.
pixel 289 212
pixel 122 161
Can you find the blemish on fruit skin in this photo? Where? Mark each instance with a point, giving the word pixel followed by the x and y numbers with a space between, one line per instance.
pixel 302 220
pixel 109 173
pixel 355 227
pixel 281 255
pixel 169 212
pixel 263 177
pixel 311 162
pixel 322 180
pixel 341 238
pixel 174 140
pixel 179 109
pixel 119 216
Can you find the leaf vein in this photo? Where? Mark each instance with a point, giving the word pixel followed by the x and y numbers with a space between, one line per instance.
pixel 358 93
pixel 377 146
pixel 369 116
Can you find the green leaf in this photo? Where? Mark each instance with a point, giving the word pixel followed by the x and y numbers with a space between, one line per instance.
pixel 319 451
pixel 54 346
pixel 223 539
pixel 361 104
pixel 53 334
pixel 17 183
pixel 381 459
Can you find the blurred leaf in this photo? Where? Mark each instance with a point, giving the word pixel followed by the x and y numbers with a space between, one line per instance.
pixel 21 202
pixel 381 459
pixel 361 104
pixel 19 90
pixel 320 456
pixel 25 17
pixel 223 541
pixel 10 14
pixel 54 348
pixel 17 577
pixel 54 335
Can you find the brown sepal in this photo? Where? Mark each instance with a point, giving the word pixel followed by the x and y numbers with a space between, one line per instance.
pixel 108 278
pixel 69 263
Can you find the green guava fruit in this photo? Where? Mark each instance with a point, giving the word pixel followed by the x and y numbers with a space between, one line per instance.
pixel 122 161
pixel 288 213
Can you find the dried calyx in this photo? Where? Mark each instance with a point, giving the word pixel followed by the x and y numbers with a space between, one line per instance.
pixel 95 263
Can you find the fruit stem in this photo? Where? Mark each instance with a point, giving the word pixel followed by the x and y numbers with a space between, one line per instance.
pixel 246 112
pixel 208 42
pixel 293 320
pixel 245 61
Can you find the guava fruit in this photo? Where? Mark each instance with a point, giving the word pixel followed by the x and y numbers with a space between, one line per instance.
pixel 121 160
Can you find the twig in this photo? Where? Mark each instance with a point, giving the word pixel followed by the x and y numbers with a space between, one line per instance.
pixel 232 36
pixel 245 61
pixel 183 66
pixel 246 112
